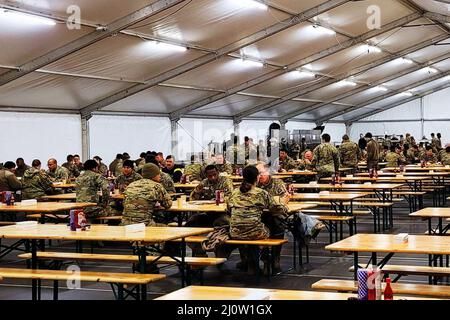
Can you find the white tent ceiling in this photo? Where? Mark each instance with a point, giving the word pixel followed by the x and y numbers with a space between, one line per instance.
pixel 100 75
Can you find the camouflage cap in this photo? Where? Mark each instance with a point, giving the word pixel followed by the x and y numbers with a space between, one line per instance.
pixel 150 170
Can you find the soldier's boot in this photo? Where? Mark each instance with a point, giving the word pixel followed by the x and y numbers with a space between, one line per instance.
pixel 243 264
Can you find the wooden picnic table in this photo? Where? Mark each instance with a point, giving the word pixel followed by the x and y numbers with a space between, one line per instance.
pixel 45 207
pixel 73 196
pixel 232 293
pixel 59 185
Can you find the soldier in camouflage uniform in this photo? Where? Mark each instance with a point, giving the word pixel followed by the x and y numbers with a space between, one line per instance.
pixel 306 162
pixel 235 155
pixel 435 143
pixel 428 156
pixel 247 205
pixel 194 170
pixel 36 183
pixel 326 158
pixel 142 195
pixel 445 157
pixel 128 175
pixel 383 153
pixel 113 165
pixel 295 150
pixel 276 219
pixel 87 187
pixel 349 153
pixel 206 190
pixel 286 163
pixel 395 157
pixel 410 139
pixel 56 172
pixel 71 167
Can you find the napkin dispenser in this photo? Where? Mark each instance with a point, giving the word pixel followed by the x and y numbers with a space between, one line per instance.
pixel 401 238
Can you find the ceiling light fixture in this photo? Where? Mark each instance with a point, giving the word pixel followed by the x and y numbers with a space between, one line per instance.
pixel 252 63
pixel 381 88
pixel 430 70
pixel 407 93
pixel 166 46
pixel 22 18
pixel 324 30
pixel 348 83
pixel 372 49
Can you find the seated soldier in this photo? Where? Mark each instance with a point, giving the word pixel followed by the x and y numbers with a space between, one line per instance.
pixel 206 190
pixel 395 157
pixel 36 182
pixel 428 156
pixel 127 176
pixel 247 205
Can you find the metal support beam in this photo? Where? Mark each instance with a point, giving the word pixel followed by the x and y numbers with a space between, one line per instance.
pixel 292 67
pixel 437 17
pixel 399 103
pixel 85 140
pixel 422 116
pixel 260 35
pixel 91 38
pixel 364 88
pixel 383 97
pixel 324 82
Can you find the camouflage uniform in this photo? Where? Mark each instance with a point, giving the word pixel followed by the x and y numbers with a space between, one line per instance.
pixel 441 154
pixel 8 181
pixel 430 159
pixel 235 156
pixel 207 190
pixel 373 154
pixel 167 182
pixel 141 197
pixel 126 180
pixel 194 171
pixel 36 183
pixel 118 168
pixel 59 174
pixel 445 158
pixel 436 144
pixel 295 150
pixel 326 159
pixel 349 154
pixel 304 164
pixel 72 168
pixel 87 186
pixel 246 214
pixel 102 169
pixel 394 159
pixel 288 164
pixel 226 167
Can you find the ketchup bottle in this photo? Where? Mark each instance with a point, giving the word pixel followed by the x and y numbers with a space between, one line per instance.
pixel 388 293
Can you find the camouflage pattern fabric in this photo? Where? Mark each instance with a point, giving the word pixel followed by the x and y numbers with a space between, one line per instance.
pixel 88 185
pixel 8 181
pixel 141 198
pixel 412 156
pixel 246 214
pixel 21 171
pixel 430 159
pixel 206 190
pixel 194 171
pixel 394 159
pixel 36 183
pixel 445 158
pixel 326 159
pixel 59 174
pixel 167 182
pixel 102 169
pixel 288 164
pixel 72 168
pixel 226 168
pixel 123 180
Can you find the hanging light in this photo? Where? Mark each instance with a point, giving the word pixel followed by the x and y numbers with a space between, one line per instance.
pixel 407 94
pixel 26 18
pixel 305 73
pixel 166 46
pixel 252 63
pixel 381 88
pixel 430 70
pixel 348 83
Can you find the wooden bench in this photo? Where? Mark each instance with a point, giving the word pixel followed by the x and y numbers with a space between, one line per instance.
pixel 425 290
pixel 118 279
pixel 197 262
pixel 58 217
pixel 331 220
pixel 6 223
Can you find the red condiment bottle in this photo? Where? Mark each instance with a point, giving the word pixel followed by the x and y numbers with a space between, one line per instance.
pixel 388 293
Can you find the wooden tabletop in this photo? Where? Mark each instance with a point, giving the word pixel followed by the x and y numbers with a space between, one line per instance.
pixel 186 185
pixel 45 207
pixel 419 174
pixel 298 173
pixel 373 186
pixel 228 293
pixel 99 233
pixel 331 196
pixel 73 196
pixel 432 212
pixel 419 244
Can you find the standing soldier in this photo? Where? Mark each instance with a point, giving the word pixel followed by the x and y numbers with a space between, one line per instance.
pixel 295 150
pixel 349 153
pixel 434 143
pixel 373 152
pixel 142 195
pixel 36 182
pixel 235 155
pixel 88 185
pixel 326 158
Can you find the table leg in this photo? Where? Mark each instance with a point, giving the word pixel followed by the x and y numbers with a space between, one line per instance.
pixel 355 265
pixel 183 265
pixel 34 282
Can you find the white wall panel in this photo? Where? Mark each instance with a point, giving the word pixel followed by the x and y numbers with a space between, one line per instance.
pixel 436 105
pixel 39 136
pixel 335 130
pixel 442 127
pixel 381 128
pixel 407 111
pixel 116 134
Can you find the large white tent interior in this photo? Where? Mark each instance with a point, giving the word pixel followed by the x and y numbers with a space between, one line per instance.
pixel 105 77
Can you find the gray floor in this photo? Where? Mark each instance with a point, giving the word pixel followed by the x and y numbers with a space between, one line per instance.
pixel 323 264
